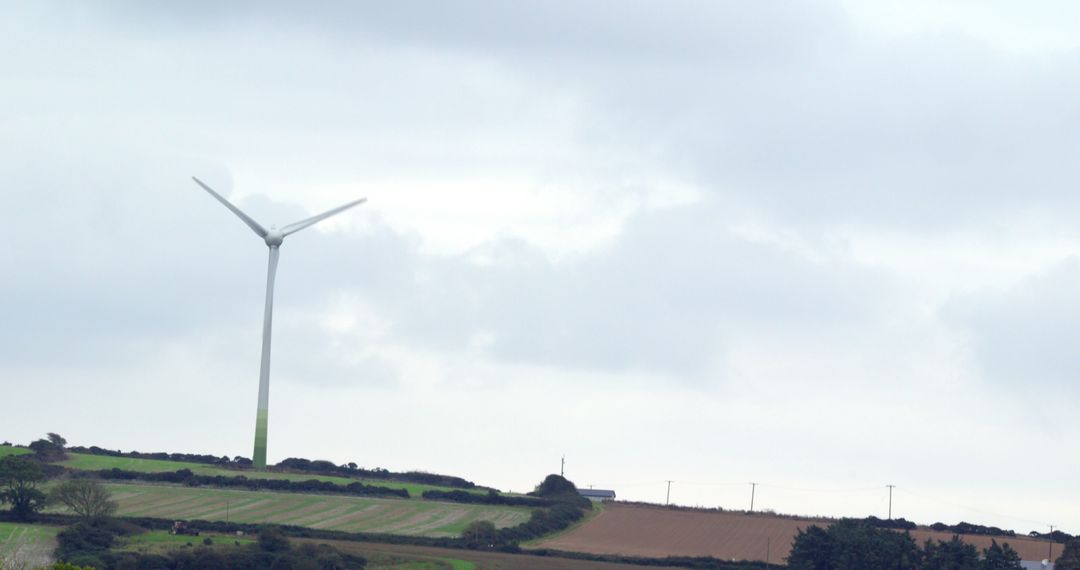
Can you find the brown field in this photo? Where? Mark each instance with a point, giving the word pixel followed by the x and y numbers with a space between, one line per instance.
pixel 637 530
pixel 400 556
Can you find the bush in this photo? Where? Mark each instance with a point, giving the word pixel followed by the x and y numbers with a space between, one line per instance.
pixel 84 538
pixel 271 539
pixel 561 489
pixel 187 477
pixel 490 498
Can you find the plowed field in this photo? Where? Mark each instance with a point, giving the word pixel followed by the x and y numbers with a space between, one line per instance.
pixel 657 532
pixel 407 556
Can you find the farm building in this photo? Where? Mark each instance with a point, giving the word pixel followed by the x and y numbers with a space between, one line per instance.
pixel 1029 565
pixel 597 494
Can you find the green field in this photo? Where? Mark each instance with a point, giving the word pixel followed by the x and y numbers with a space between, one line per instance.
pixel 11 450
pixel 158 540
pixel 98 462
pixel 33 544
pixel 333 512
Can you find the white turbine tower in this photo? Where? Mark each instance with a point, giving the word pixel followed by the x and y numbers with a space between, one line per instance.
pixel 273 238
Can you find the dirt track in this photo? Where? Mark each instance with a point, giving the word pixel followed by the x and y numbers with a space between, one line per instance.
pixel 657 532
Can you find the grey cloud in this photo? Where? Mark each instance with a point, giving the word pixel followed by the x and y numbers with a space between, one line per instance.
pixel 1027 334
pixel 674 289
pixel 561 29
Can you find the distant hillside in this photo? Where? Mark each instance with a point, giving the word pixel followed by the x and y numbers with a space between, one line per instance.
pixel 656 531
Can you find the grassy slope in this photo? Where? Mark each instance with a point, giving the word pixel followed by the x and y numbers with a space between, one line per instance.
pixel 6 450
pixel 98 462
pixel 10 531
pixel 33 543
pixel 335 512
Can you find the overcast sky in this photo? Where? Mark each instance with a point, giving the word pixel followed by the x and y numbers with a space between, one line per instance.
pixel 822 246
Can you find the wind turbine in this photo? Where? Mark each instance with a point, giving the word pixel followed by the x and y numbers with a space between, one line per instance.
pixel 273 238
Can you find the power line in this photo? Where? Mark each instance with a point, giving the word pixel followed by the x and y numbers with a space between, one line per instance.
pixel 970 508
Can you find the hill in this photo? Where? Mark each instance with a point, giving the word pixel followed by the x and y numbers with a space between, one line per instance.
pixel 638 530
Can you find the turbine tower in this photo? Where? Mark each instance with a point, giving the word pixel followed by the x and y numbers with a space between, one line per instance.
pixel 273 238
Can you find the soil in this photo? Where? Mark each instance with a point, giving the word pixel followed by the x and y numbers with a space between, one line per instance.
pixel 483 560
pixel 637 530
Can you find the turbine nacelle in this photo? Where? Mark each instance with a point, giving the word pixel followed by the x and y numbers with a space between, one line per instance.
pixel 274 237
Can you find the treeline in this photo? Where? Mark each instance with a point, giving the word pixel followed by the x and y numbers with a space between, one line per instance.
pixel 897 524
pixel 969 528
pixel 853 543
pixel 978 529
pixel 490 498
pixel 540 523
pixel 323 467
pixel 223 461
pixel 91 544
pixel 317 466
pixel 187 477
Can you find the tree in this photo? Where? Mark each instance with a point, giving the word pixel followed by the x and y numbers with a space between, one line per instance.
pixel 1070 557
pixel 811 549
pixel 86 498
pixel 56 439
pixel 50 448
pixel 952 555
pixel 559 488
pixel 852 544
pixel 479 533
pixel 19 477
pixel 1000 557
pixel 272 539
pixel 553 486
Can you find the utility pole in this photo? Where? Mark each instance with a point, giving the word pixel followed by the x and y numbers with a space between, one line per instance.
pixel 753 487
pixel 562 468
pixel 890 500
pixel 1050 556
pixel 667 501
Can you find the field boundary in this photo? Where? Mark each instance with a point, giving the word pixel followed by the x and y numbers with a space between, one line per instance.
pixel 593 514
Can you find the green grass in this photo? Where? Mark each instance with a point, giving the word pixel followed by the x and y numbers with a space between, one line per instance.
pixel 6 450
pixel 383 561
pixel 33 543
pixel 147 540
pixel 87 462
pixel 10 531
pixel 334 512
pixel 456 564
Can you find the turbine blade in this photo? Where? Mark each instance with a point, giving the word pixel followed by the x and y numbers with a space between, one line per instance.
pixel 261 231
pixel 297 226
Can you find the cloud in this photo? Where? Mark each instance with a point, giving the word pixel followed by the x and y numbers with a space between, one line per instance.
pixel 1022 336
pixel 670 293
